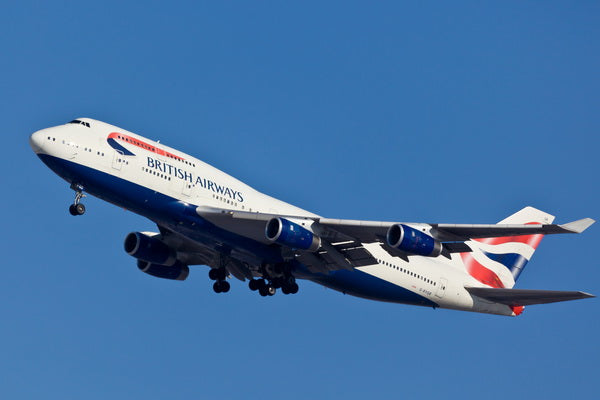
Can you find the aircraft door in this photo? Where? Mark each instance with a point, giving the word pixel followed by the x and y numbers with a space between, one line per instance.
pixel 441 287
pixel 186 189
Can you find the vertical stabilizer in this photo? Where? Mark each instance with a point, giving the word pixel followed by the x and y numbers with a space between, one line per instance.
pixel 498 261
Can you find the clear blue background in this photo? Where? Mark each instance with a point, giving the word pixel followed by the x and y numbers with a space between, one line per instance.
pixel 458 112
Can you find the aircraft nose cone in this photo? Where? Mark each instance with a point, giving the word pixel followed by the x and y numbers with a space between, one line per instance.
pixel 36 141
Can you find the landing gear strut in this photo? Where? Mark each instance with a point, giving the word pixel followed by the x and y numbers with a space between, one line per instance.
pixel 289 285
pixel 77 208
pixel 219 275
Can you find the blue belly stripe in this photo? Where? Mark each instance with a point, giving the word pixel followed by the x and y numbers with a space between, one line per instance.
pixel 360 284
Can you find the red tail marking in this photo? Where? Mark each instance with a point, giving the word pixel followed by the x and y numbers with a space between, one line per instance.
pixel 481 273
pixel 530 240
pixel 517 309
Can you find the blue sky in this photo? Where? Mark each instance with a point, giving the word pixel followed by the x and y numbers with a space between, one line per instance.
pixel 459 112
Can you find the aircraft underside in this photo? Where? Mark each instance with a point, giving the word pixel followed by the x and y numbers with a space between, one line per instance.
pixel 212 246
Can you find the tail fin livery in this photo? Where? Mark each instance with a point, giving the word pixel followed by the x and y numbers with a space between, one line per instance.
pixel 498 261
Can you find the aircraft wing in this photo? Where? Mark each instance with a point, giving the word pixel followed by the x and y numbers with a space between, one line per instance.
pixel 371 231
pixel 525 297
pixel 342 239
pixel 337 251
pixel 375 231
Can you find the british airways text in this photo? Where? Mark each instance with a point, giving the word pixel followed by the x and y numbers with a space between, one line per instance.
pixel 188 176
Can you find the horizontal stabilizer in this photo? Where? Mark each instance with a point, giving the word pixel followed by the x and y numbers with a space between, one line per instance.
pixel 525 297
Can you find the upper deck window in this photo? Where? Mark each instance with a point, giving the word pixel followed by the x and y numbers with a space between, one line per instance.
pixel 76 121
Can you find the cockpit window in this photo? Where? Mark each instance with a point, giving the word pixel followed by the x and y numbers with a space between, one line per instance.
pixel 76 121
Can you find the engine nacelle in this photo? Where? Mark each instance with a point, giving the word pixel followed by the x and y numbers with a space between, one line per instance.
pixel 147 248
pixel 288 233
pixel 176 272
pixel 413 241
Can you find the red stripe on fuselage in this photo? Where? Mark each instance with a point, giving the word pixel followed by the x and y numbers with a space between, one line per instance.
pixel 143 145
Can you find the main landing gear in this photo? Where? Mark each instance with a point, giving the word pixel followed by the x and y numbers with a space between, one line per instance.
pixel 287 283
pixel 219 275
pixel 266 286
pixel 77 208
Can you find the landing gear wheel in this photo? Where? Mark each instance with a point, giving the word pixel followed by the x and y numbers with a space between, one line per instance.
pixel 221 287
pixel 77 209
pixel 284 290
pixel 270 289
pixel 217 274
pixel 80 209
pixel 263 291
pixel 225 286
pixel 254 284
pixel 212 274
pixel 293 288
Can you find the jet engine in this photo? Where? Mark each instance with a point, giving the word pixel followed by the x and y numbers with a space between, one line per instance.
pixel 150 249
pixel 176 272
pixel 413 241
pixel 288 233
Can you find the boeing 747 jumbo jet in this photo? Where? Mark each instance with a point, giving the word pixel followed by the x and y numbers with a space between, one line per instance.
pixel 206 217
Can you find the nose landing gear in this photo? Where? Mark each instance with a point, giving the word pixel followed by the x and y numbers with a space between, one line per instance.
pixel 77 208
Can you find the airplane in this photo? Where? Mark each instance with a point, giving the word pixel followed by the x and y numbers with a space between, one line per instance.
pixel 206 217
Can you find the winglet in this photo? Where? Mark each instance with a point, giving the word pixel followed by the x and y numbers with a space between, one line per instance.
pixel 579 225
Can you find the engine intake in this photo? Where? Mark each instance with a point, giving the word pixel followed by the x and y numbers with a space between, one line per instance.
pixel 285 232
pixel 147 248
pixel 410 240
pixel 176 272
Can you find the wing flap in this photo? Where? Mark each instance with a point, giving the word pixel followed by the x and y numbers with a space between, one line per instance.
pixel 526 297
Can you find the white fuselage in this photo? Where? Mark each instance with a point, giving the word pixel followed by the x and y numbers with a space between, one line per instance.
pixel 78 150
